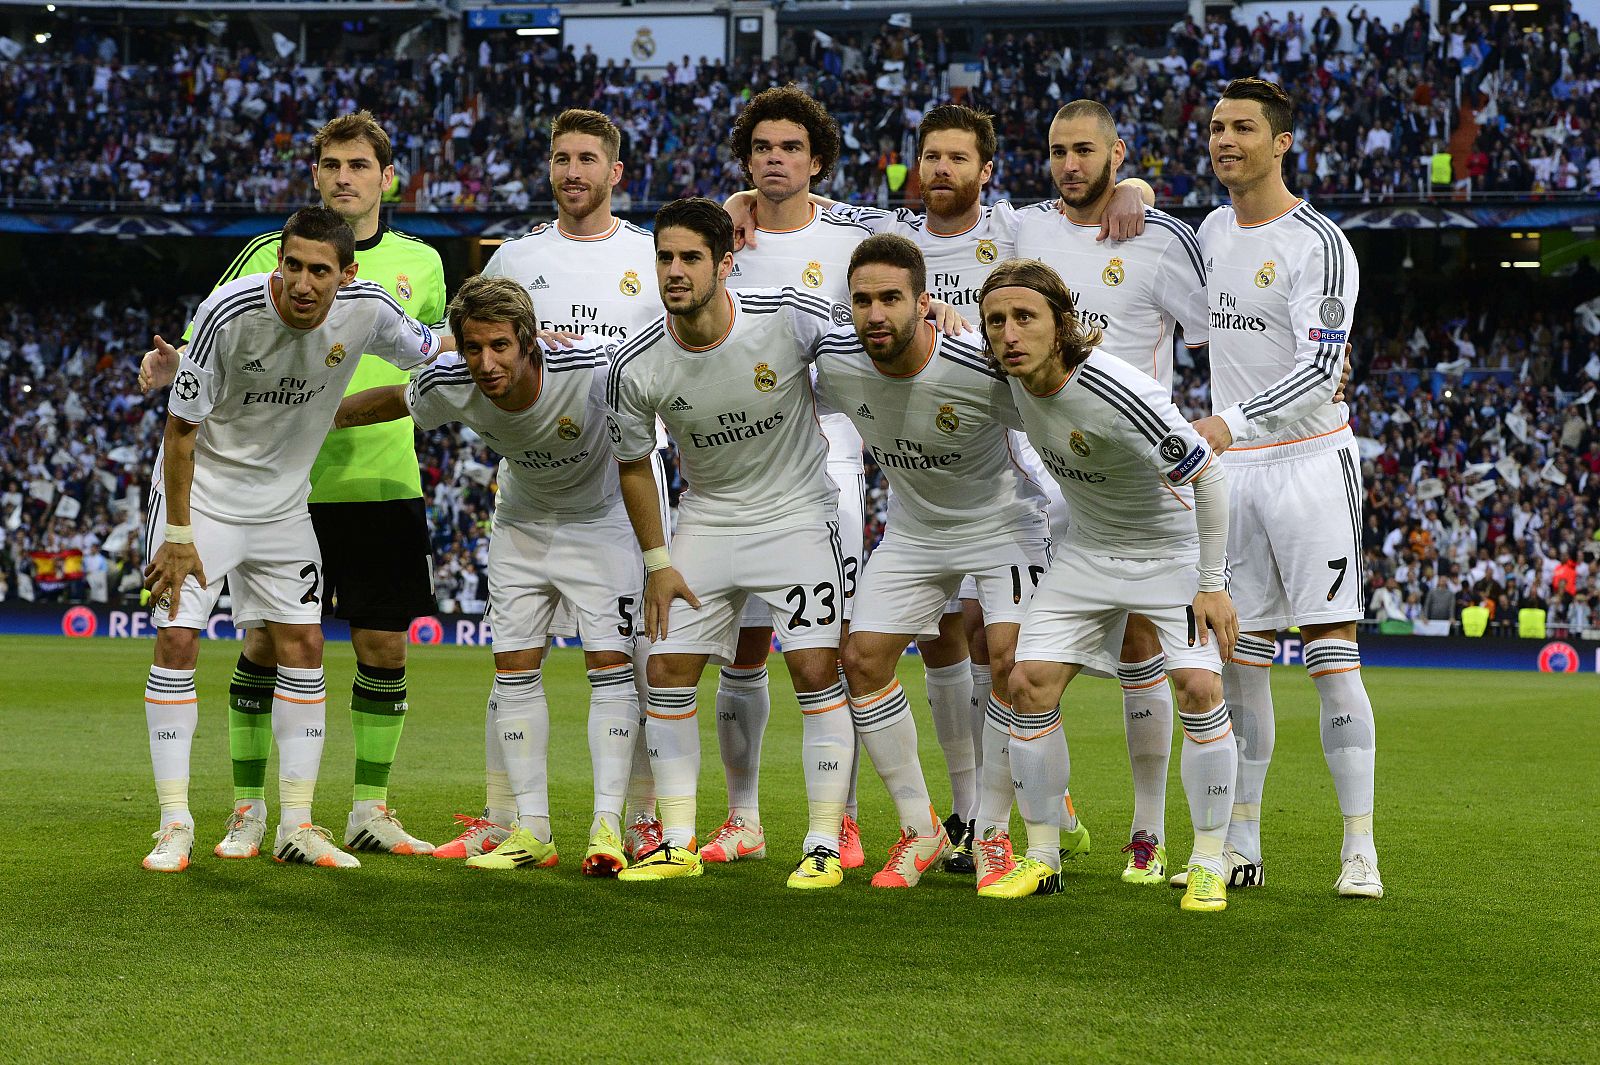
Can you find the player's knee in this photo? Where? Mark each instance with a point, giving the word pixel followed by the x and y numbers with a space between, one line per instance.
pixel 1030 686
pixel 177 648
pixel 1003 666
pixel 604 659
pixel 298 646
pixel 1198 689
pixel 258 647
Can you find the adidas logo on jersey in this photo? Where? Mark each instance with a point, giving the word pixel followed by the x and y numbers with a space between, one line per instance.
pixel 537 283
pixel 864 412
pixel 681 404
pixel 254 366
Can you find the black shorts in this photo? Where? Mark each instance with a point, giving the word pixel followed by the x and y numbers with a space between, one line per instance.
pixel 377 563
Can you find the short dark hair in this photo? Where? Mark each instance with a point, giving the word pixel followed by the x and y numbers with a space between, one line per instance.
pixel 357 126
pixel 496 299
pixel 1275 103
pixel 958 116
pixel 788 104
pixel 593 123
pixel 1092 109
pixel 1074 340
pixel 700 216
pixel 889 249
pixel 324 225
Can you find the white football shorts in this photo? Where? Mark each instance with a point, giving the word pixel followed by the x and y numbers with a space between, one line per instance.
pixel 594 567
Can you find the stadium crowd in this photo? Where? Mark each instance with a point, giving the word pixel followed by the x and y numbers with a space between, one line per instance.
pixel 202 126
pixel 1483 482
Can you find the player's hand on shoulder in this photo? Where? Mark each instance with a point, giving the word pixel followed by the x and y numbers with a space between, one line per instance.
pixel 165 574
pixel 159 366
pixel 947 319
pixel 558 338
pixel 1214 611
pixel 741 207
pixel 660 589
pixel 1124 217
pixel 1214 430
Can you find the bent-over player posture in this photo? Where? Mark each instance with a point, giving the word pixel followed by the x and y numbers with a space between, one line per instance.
pixel 1140 484
pixel 560 533
pixel 254 396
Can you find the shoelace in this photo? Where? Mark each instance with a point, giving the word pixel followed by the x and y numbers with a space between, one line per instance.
pixel 996 850
pixel 1144 850
pixel 235 823
pixel 649 832
pixel 385 814
pixel 731 827
pixel 164 837
pixel 473 824
pixel 849 832
pixel 901 845
pixel 818 857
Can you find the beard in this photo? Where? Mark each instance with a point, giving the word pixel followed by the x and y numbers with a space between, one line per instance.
pixel 583 205
pixel 899 339
pixel 1092 192
pixel 957 198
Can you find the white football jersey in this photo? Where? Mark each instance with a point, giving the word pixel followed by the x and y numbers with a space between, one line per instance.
pixel 1133 291
pixel 1282 297
pixel 939 435
pixel 265 393
pixel 741 410
pixel 812 258
pixel 556 461
pixel 958 263
pixel 1123 455
pixel 603 285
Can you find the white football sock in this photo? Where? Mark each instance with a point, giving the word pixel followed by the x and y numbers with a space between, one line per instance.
pixel 499 805
pixel 613 724
pixel 674 738
pixel 641 799
pixel 522 725
pixel 996 792
pixel 826 742
pixel 299 721
pixel 982 685
pixel 171 715
pixel 950 699
pixel 886 728
pixel 1147 718
pixel 1349 738
pixel 743 707
pixel 1247 688
pixel 1040 767
pixel 1209 764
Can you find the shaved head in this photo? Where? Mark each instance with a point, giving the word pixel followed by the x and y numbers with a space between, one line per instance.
pixel 1093 111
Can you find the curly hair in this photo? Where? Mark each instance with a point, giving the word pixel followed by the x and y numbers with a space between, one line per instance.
pixel 788 104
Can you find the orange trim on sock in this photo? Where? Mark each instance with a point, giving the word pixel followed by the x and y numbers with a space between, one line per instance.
pixel 1242 662
pixel 1036 736
pixel 1329 672
pixel 1224 736
pixel 1142 687
pixel 171 702
pixel 841 704
pixel 670 717
pixel 302 702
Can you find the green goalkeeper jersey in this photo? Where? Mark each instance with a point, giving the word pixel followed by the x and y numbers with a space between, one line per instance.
pixel 369 462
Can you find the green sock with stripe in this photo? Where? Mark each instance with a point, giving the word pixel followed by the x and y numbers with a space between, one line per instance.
pixel 377 715
pixel 250 728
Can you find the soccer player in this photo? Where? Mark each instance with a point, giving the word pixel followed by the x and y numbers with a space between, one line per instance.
pixel 586 272
pixel 934 413
pixel 254 396
pixel 1135 292
pixel 560 534
pixel 730 375
pixel 1149 528
pixel 1282 287
pixel 364 479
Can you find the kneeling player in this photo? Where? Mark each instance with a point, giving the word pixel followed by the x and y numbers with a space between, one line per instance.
pixel 1140 484
pixel 560 532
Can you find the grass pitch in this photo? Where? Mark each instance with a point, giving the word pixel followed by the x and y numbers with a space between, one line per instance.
pixel 1485 947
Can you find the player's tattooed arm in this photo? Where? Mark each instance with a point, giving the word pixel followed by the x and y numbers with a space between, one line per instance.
pixel 159 365
pixel 172 562
pixel 664 584
pixel 371 406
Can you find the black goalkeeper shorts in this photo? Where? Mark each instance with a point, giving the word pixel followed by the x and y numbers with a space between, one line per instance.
pixel 377 562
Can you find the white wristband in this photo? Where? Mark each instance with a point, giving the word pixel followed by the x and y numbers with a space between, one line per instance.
pixel 656 558
pixel 178 534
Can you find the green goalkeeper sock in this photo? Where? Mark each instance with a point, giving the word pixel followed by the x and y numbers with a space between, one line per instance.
pixel 377 715
pixel 250 728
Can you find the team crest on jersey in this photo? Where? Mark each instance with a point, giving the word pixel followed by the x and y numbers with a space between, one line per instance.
pixel 1267 274
pixel 629 284
pixel 1079 446
pixel 1113 273
pixel 812 274
pixel 567 429
pixel 766 380
pixel 946 419
pixel 987 252
pixel 335 356
pixel 402 286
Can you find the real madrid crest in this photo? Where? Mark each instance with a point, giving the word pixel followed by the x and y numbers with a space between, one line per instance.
pixel 946 419
pixel 402 286
pixel 335 355
pixel 567 429
pixel 644 44
pixel 987 252
pixel 1113 273
pixel 629 285
pixel 1079 446
pixel 812 275
pixel 766 380
pixel 1267 274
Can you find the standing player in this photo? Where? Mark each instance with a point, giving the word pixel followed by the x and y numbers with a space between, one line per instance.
pixel 934 413
pixel 586 272
pixel 1140 484
pixel 560 533
pixel 1282 290
pixel 253 398
pixel 730 375
pixel 363 479
pixel 1135 292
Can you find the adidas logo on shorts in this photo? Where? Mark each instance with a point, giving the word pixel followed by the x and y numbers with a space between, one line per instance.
pixel 254 366
pixel 681 404
pixel 864 412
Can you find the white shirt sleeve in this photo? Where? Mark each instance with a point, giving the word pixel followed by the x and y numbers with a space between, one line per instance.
pixel 426 399
pixel 1181 289
pixel 400 339
pixel 631 417
pixel 811 317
